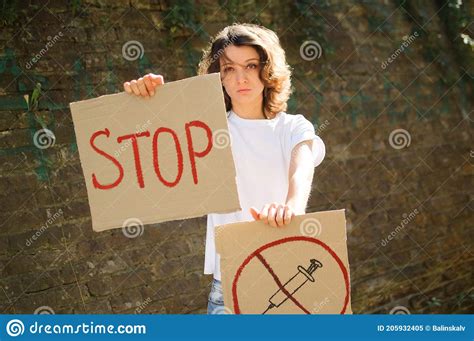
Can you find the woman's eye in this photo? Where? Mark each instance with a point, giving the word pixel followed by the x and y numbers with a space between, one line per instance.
pixel 252 66
pixel 228 69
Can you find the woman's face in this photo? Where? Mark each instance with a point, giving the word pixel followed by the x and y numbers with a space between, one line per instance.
pixel 240 74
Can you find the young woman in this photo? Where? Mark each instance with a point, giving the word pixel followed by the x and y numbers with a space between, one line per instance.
pixel 274 153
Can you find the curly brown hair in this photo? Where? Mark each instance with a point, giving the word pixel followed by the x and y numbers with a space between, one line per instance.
pixel 275 73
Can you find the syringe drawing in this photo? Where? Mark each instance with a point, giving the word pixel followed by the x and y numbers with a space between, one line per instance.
pixel 291 286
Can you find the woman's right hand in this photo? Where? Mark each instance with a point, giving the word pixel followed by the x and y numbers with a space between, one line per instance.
pixel 144 86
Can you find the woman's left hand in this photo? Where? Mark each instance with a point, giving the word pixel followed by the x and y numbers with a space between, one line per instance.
pixel 276 215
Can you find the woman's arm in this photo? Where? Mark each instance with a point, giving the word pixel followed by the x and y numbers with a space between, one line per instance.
pixel 300 180
pixel 300 177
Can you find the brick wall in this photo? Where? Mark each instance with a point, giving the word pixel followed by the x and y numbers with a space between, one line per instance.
pixel 397 132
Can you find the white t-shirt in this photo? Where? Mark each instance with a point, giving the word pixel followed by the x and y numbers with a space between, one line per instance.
pixel 261 150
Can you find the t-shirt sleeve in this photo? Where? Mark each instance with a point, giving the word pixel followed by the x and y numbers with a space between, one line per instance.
pixel 303 130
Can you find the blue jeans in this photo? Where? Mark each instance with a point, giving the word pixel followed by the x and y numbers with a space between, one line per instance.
pixel 215 304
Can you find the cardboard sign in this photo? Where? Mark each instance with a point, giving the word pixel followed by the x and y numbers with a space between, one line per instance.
pixel 158 159
pixel 301 268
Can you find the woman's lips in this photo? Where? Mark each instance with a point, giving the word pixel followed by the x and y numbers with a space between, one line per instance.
pixel 243 90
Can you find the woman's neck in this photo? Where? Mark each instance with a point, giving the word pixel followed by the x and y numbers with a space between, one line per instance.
pixel 249 111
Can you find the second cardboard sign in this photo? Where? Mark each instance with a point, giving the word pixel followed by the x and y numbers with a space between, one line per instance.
pixel 301 268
